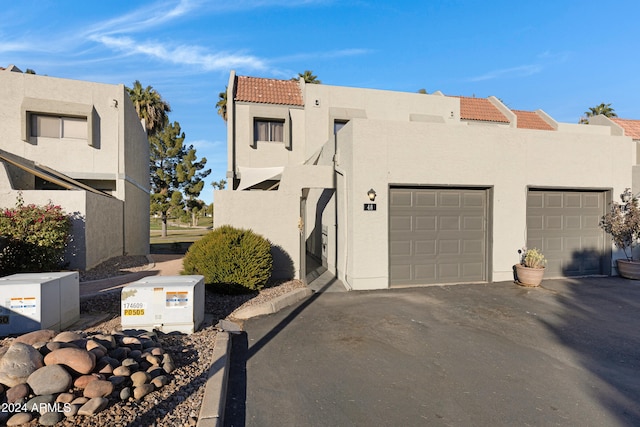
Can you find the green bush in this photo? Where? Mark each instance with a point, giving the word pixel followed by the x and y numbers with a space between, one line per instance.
pixel 231 259
pixel 34 238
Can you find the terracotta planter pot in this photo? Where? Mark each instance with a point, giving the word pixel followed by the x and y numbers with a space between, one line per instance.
pixel 527 276
pixel 628 269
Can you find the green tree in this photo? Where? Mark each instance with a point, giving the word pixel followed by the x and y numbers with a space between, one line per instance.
pixel 308 77
pixel 604 109
pixel 150 106
pixel 219 185
pixel 221 105
pixel 175 171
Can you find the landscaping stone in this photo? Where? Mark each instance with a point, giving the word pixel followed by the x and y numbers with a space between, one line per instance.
pixel 65 398
pixel 98 388
pixel 78 360
pixel 40 336
pixel 122 370
pixel 93 406
pixel 50 418
pixel 142 390
pixel 125 393
pixel 40 404
pixel 139 378
pixel 68 336
pixel 17 392
pixel 49 380
pixel 82 381
pixel 19 419
pixel 20 361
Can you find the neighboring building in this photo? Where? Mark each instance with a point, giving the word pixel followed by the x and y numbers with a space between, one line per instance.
pixel 460 183
pixel 79 145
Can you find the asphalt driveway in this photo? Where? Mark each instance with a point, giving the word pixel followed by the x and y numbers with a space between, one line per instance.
pixel 465 355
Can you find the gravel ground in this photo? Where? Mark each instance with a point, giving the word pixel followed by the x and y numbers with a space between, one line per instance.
pixel 178 403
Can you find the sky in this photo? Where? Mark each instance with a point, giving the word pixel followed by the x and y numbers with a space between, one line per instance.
pixel 561 56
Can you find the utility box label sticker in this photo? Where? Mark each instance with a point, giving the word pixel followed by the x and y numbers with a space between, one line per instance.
pixel 23 305
pixel 177 299
pixel 133 308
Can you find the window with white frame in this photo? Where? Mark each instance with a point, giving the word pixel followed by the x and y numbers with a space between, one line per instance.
pixel 269 130
pixel 58 126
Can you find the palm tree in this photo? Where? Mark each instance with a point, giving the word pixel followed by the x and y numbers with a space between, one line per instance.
pixel 604 109
pixel 308 77
pixel 221 105
pixel 150 106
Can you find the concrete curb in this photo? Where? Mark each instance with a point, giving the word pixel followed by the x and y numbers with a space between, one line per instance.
pixel 274 305
pixel 215 393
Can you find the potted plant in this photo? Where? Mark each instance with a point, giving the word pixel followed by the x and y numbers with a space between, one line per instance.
pixel 530 270
pixel 622 222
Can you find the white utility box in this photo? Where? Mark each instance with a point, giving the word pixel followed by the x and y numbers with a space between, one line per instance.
pixel 32 301
pixel 164 303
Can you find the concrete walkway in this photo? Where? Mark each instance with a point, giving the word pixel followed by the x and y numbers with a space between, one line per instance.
pixel 159 265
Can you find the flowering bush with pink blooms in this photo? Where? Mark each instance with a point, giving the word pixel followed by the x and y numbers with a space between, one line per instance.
pixel 34 237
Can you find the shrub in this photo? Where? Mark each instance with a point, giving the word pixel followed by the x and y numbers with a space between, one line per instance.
pixel 35 238
pixel 622 222
pixel 231 259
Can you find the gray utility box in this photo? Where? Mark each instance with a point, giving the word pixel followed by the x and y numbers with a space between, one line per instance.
pixel 32 301
pixel 164 303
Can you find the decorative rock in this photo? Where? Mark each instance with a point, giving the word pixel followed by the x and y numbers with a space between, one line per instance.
pixel 139 378
pixel 125 393
pixel 131 363
pixel 157 351
pixel 50 418
pixel 108 341
pixel 17 392
pixel 79 400
pixel 54 345
pixel 49 380
pixel 154 360
pixel 104 368
pixel 40 404
pixel 31 338
pixel 169 367
pixel 135 355
pixel 98 388
pixel 155 371
pixel 160 381
pixel 19 418
pixel 142 390
pixel 93 406
pixel 96 348
pixel 117 380
pixel 71 410
pixel 131 341
pixel 20 361
pixel 65 398
pixel 122 371
pixel 82 381
pixel 120 353
pixel 68 336
pixel 76 359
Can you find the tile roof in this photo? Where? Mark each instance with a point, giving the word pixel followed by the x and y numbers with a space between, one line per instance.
pixel 480 109
pixel 531 120
pixel 268 91
pixel 631 127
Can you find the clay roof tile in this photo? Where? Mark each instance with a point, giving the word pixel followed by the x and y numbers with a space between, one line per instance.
pixel 531 120
pixel 268 91
pixel 631 127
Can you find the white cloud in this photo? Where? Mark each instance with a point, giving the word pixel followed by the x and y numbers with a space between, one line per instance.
pixel 183 54
pixel 520 71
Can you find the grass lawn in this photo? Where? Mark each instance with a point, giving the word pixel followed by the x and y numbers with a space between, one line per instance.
pixel 177 241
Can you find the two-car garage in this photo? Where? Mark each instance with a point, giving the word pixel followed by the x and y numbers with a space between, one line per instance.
pixel 442 234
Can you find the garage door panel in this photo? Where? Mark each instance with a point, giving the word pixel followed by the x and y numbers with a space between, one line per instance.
pixel 400 223
pixel 426 199
pixel 448 237
pixel 571 238
pixel 402 248
pixel 401 198
pixel 425 223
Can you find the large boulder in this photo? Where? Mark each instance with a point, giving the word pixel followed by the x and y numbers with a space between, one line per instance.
pixel 20 361
pixel 50 379
pixel 78 360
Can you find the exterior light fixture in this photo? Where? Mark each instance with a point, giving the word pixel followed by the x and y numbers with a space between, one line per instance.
pixel 372 194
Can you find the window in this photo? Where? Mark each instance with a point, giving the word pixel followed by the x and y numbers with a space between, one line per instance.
pixel 269 130
pixel 58 127
pixel 338 124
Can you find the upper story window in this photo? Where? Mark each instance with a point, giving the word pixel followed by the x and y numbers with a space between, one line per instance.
pixel 269 130
pixel 339 124
pixel 58 126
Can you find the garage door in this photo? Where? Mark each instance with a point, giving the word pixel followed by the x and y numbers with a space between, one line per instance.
pixel 564 225
pixel 437 236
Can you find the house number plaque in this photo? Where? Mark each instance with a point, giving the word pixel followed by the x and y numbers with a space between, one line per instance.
pixel 369 206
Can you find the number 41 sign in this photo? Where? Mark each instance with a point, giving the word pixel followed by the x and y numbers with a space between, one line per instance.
pixel 369 206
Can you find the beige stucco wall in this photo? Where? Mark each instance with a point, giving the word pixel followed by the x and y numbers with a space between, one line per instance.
pixel 119 150
pixel 377 154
